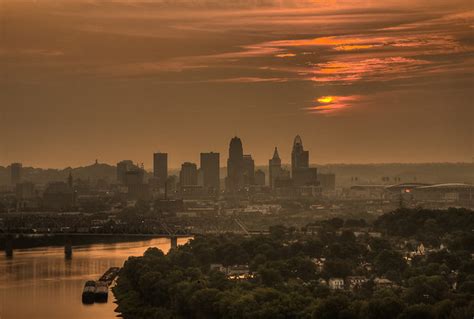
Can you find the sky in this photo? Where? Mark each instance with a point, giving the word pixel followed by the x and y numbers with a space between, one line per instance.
pixel 360 81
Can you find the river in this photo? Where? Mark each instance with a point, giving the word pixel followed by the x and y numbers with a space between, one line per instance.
pixel 40 283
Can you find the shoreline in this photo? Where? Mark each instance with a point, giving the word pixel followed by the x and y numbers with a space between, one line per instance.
pixel 25 242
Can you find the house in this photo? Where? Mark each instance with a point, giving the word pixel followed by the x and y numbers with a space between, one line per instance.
pixel 238 272
pixel 383 283
pixel 355 282
pixel 319 263
pixel 420 250
pixel 218 267
pixel 336 283
pixel 233 272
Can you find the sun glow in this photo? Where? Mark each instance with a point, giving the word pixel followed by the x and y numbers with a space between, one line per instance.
pixel 326 99
pixel 333 104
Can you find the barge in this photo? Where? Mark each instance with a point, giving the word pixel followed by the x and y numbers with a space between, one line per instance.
pixel 98 291
pixel 88 294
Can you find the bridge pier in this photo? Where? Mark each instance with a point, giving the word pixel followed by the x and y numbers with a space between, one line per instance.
pixel 68 249
pixel 9 246
pixel 174 242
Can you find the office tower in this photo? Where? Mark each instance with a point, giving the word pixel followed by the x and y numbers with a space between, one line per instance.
pixel 134 176
pixel 15 173
pixel 235 166
pixel 210 164
pixel 301 173
pixel 283 180
pixel 122 168
pixel 274 168
pixel 299 157
pixel 305 177
pixel 25 191
pixel 260 178
pixel 134 180
pixel 249 170
pixel 188 176
pixel 160 168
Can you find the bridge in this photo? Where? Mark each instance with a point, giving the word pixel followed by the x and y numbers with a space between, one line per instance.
pixel 11 234
pixel 10 238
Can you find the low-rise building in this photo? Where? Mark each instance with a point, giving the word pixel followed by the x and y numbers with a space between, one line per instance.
pixel 336 283
pixel 355 282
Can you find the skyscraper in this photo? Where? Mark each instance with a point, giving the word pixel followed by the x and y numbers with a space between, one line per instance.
pixel 301 173
pixel 260 178
pixel 188 176
pixel 274 168
pixel 210 164
pixel 15 173
pixel 235 166
pixel 249 170
pixel 160 168
pixel 299 157
pixel 122 168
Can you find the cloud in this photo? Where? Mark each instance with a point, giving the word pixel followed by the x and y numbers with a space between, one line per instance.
pixel 375 69
pixel 331 105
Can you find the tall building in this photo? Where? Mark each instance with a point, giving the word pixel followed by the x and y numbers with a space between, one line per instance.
pixel 260 178
pixel 134 176
pixel 25 191
pixel 160 168
pixel 122 168
pixel 305 177
pixel 299 157
pixel 188 176
pixel 210 164
pixel 249 170
pixel 274 168
pixel 134 180
pixel 301 173
pixel 15 173
pixel 235 166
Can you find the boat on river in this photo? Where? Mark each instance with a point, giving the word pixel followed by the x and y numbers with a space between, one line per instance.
pixel 110 275
pixel 98 291
pixel 88 294
pixel 101 291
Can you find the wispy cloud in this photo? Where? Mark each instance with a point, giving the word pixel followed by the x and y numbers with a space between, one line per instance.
pixel 331 105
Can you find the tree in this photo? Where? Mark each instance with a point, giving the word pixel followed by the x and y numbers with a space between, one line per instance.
pixel 330 308
pixel 387 308
pixel 269 276
pixel 204 303
pixel 419 311
pixel 389 260
pixel 424 289
pixel 337 268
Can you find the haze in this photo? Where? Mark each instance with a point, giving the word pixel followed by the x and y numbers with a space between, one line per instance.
pixel 360 81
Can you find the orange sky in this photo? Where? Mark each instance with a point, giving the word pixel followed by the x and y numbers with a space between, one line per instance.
pixel 360 81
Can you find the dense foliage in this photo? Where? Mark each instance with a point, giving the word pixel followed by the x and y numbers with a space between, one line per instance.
pixel 287 282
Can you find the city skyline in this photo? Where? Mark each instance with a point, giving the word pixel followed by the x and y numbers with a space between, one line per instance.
pixel 362 81
pixel 150 165
pixel 236 159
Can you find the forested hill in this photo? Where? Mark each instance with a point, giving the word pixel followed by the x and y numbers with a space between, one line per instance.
pixel 290 274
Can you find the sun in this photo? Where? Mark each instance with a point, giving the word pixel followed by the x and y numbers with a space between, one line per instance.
pixel 326 99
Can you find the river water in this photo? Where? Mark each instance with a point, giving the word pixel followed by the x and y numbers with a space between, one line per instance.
pixel 40 283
